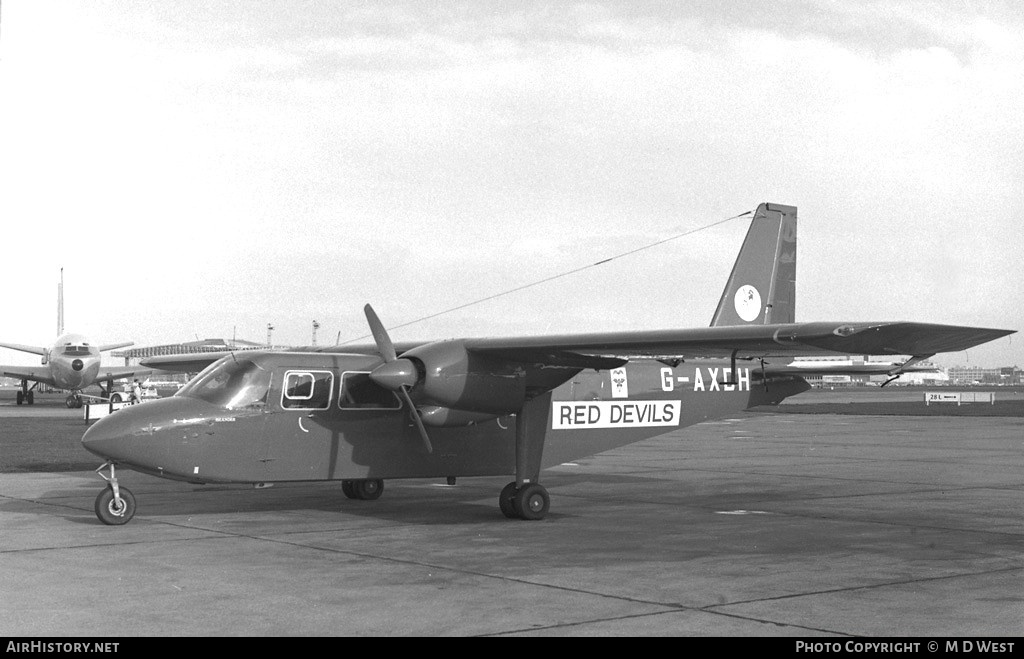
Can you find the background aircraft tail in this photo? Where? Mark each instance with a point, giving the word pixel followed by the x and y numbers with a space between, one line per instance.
pixel 60 304
pixel 762 287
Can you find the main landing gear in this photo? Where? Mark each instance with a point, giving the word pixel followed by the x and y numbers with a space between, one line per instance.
pixel 367 490
pixel 531 501
pixel 115 505
pixel 25 394
pixel 74 400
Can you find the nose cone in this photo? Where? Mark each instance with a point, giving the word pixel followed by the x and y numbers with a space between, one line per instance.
pixel 137 434
pixel 111 436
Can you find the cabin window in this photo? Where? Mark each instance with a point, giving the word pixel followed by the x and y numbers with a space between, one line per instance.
pixel 358 391
pixel 307 390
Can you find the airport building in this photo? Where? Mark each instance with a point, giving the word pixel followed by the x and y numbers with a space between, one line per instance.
pixel 933 377
pixel 1006 375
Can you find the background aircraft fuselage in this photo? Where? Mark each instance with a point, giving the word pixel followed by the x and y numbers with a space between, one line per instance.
pixel 74 362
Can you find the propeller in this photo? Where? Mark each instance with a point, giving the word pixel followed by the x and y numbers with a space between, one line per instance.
pixel 398 375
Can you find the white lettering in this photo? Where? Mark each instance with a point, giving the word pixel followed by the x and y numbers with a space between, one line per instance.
pixel 569 415
pixel 726 383
pixel 666 379
pixel 803 646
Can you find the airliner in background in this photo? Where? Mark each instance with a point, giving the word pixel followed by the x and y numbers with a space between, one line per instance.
pixel 71 363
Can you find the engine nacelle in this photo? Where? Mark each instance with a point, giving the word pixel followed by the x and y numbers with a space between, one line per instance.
pixel 456 378
pixel 445 417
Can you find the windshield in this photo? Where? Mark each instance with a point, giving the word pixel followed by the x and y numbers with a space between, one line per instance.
pixel 230 383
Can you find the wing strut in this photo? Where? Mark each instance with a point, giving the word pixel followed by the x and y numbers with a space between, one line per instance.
pixel 732 380
pixel 899 370
pixel 531 426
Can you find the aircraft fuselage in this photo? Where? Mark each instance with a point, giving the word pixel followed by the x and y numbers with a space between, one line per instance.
pixel 73 362
pixel 312 416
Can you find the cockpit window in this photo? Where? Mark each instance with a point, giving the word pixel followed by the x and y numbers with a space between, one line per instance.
pixel 72 349
pixel 231 383
pixel 307 390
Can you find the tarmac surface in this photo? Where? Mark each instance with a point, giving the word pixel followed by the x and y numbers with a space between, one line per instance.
pixel 779 524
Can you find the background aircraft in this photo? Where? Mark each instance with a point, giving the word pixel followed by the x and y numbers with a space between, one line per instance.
pixel 72 363
pixel 493 406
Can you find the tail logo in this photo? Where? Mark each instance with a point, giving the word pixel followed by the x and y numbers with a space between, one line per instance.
pixel 748 303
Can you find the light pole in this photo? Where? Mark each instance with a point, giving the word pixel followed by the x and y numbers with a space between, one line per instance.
pixel 316 326
pixel 270 329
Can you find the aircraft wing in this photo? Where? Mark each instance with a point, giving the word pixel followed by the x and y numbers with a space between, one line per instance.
pixel 750 341
pixel 746 342
pixel 35 350
pixel 121 372
pixel 33 373
pixel 183 363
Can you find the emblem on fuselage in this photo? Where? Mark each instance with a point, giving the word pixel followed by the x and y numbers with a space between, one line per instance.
pixel 747 302
pixel 620 386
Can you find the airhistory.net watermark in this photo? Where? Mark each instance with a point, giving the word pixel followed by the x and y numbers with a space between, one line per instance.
pixel 56 647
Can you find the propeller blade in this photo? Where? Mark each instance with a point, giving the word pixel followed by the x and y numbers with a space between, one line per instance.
pixel 395 374
pixel 416 417
pixel 380 335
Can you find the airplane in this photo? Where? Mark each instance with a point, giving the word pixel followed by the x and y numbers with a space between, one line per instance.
pixel 72 363
pixel 513 406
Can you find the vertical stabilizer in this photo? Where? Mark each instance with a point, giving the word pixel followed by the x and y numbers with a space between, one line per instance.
pixel 762 286
pixel 60 304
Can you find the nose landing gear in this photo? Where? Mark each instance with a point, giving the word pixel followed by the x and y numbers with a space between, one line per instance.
pixel 115 505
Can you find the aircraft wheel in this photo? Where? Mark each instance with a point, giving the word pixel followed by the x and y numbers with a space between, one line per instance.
pixel 115 398
pixel 21 397
pixel 532 501
pixel 109 512
pixel 507 500
pixel 30 397
pixel 70 401
pixel 348 488
pixel 369 489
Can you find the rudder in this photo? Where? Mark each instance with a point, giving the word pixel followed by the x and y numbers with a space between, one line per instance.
pixel 761 289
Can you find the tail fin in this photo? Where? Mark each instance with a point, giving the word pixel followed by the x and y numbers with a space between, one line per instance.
pixel 60 304
pixel 762 287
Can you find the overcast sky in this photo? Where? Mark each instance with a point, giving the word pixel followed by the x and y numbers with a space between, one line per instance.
pixel 203 169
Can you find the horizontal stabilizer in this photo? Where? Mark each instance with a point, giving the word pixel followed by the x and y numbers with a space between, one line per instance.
pixel 877 368
pixel 35 350
pixel 115 346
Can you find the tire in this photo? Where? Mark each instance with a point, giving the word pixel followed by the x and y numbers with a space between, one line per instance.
pixel 107 511
pixel 70 402
pixel 368 490
pixel 115 398
pixel 348 489
pixel 30 397
pixel 21 397
pixel 532 502
pixel 506 501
